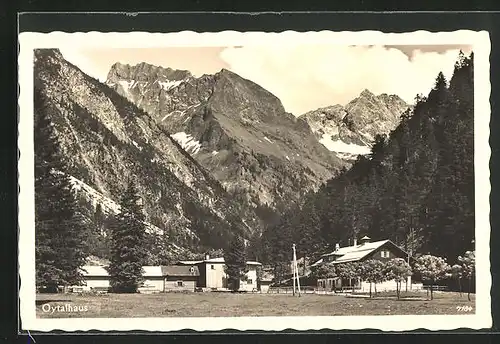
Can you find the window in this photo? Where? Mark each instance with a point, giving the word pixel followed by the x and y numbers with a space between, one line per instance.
pixel 212 267
pixel 249 281
pixel 180 283
pixel 384 254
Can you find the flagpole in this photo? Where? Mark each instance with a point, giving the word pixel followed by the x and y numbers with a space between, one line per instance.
pixel 293 268
pixel 295 271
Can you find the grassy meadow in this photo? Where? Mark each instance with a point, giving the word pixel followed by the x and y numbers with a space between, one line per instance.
pixel 233 305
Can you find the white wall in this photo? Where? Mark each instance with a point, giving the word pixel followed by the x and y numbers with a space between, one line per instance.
pixel 97 283
pixel 152 284
pixel 251 275
pixel 215 277
pixel 264 288
pixel 390 286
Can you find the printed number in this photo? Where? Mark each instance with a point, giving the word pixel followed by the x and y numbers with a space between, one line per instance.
pixel 464 308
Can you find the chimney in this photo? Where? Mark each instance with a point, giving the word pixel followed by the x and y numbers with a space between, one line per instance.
pixel 337 247
pixel 207 256
pixel 365 239
pixel 355 242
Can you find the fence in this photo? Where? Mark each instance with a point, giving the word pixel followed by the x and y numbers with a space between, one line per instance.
pixel 303 290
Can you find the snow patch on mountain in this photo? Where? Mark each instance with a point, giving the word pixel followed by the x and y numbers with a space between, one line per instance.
pixel 181 113
pixel 187 142
pixel 136 145
pixel 167 85
pixel 267 139
pixel 126 86
pixel 342 147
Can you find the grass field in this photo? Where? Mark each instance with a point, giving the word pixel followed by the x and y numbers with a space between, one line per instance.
pixel 227 304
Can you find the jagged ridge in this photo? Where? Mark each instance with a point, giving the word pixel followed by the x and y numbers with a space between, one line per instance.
pixel 239 131
pixel 350 131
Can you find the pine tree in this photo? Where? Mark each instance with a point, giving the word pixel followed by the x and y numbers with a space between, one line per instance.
pixel 60 246
pixel 235 261
pixel 308 233
pixel 128 240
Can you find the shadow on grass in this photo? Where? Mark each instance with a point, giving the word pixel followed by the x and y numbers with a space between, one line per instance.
pixel 42 302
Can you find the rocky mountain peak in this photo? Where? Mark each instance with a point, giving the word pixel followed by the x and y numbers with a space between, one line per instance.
pixel 350 130
pixel 366 93
pixel 144 72
pixel 235 94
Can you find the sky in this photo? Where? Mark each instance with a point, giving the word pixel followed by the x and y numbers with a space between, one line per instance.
pixel 303 77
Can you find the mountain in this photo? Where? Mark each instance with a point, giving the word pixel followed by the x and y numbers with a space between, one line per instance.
pixel 106 140
pixel 350 130
pixel 234 128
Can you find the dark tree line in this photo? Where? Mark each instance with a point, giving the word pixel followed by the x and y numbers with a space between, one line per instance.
pixel 415 188
pixel 60 231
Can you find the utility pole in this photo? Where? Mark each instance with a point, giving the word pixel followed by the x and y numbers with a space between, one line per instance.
pixel 295 271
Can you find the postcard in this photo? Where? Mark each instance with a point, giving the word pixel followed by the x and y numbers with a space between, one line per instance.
pixel 254 181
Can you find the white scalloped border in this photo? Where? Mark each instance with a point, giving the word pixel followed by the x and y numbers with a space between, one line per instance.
pixel 481 46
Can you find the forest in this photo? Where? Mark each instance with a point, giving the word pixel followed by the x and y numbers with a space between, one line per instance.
pixel 415 188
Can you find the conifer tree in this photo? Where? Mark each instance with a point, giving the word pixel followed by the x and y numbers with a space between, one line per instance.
pixel 235 261
pixel 128 240
pixel 60 246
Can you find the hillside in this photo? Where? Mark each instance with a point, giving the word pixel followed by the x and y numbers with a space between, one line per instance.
pixel 106 140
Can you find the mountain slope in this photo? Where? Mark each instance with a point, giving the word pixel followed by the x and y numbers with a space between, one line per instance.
pixel 350 131
pixel 233 127
pixel 107 140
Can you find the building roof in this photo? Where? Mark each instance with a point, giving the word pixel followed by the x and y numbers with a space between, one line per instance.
pixel 354 253
pixel 190 262
pixel 100 271
pixel 152 271
pixel 180 270
pixel 218 260
pixel 214 260
pixel 317 262
pixel 251 262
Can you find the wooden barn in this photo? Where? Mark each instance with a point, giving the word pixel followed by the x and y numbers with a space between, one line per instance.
pixel 180 277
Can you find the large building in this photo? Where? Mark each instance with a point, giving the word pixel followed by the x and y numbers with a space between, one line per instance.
pixel 383 250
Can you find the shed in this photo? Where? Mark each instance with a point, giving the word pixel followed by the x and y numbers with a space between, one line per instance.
pixel 180 277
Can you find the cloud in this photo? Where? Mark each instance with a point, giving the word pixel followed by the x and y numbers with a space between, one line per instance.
pixel 308 77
